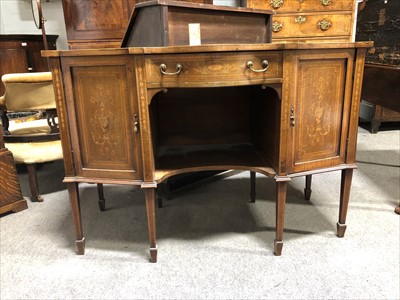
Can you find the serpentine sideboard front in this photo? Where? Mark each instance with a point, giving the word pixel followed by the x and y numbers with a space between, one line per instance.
pixel 137 116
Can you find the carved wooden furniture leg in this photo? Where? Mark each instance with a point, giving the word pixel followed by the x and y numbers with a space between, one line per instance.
pixel 307 189
pixel 151 222
pixel 73 193
pixel 347 176
pixel 102 201
pixel 252 186
pixel 280 216
pixel 33 183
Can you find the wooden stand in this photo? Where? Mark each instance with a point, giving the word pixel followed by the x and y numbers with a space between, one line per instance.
pixel 11 196
pixel 167 23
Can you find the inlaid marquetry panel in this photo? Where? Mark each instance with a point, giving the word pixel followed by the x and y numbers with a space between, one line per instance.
pixel 319 115
pixel 105 141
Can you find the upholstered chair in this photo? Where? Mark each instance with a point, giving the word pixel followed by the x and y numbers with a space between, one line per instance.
pixel 32 133
pixel 33 138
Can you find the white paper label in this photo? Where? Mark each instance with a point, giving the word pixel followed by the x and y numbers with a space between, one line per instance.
pixel 194 34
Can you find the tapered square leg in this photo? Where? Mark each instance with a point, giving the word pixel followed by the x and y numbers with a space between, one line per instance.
pixel 280 216
pixel 151 222
pixel 73 193
pixel 340 229
pixel 345 186
pixel 80 246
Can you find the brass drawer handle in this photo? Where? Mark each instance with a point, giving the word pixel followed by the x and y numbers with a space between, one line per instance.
pixel 300 20
pixel 276 3
pixel 163 68
pixel 264 64
pixel 325 2
pixel 324 25
pixel 276 26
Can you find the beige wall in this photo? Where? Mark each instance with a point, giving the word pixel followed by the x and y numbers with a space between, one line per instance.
pixel 16 18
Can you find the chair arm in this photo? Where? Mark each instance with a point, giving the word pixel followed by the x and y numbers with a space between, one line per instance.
pixel 34 77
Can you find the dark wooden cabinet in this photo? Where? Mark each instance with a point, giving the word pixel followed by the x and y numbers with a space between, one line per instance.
pixel 98 24
pixel 21 54
pixel 378 21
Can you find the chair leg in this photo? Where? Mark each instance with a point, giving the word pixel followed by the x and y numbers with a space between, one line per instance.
pixel 252 186
pixel 102 200
pixel 307 189
pixel 162 193
pixel 33 183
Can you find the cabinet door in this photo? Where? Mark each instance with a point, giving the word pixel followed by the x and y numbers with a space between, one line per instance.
pixel 319 86
pixel 102 111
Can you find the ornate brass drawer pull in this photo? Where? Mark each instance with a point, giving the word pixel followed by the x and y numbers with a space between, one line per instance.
pixel 325 2
pixel 276 3
pixel 276 26
pixel 300 20
pixel 324 24
pixel 264 64
pixel 163 68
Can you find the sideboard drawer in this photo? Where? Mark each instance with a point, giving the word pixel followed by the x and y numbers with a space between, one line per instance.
pixel 311 25
pixel 208 70
pixel 301 5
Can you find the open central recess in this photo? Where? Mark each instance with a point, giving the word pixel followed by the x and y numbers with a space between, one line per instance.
pixel 209 128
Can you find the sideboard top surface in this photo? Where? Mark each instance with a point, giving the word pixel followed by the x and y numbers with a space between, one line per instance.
pixel 207 48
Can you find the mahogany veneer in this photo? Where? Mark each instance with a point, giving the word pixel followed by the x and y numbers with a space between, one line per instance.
pixel 283 110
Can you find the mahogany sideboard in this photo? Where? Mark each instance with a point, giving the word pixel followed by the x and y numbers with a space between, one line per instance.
pixel 137 116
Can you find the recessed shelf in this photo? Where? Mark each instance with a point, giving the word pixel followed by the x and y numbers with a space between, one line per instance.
pixel 173 160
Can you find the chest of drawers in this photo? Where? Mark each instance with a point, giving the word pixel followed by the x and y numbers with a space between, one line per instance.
pixel 310 20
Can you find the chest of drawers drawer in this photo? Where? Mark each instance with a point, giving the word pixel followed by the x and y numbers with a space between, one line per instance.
pixel 310 20
pixel 196 70
pixel 311 25
pixel 285 6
